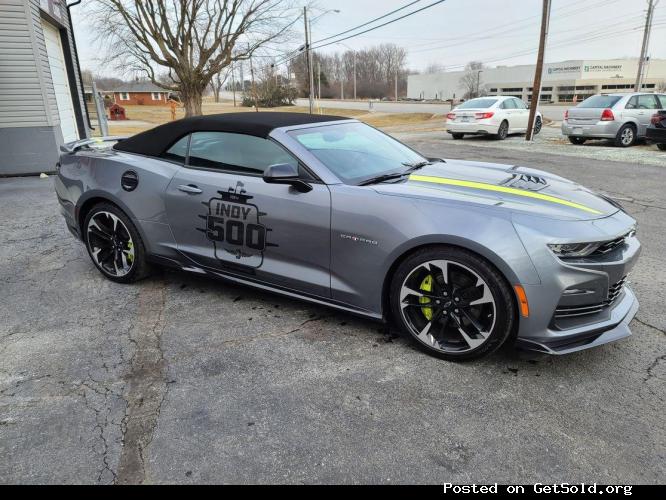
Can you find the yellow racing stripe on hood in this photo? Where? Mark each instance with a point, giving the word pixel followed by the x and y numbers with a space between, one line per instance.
pixel 501 189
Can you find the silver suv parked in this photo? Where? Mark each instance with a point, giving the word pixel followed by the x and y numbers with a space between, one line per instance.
pixel 623 118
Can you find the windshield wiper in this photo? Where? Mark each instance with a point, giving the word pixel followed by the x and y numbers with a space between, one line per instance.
pixel 382 178
pixel 416 165
pixel 396 175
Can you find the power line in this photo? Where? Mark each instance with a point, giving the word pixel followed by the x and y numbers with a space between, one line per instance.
pixel 369 22
pixel 366 31
pixel 381 25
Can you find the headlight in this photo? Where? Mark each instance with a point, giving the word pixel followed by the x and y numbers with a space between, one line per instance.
pixel 574 249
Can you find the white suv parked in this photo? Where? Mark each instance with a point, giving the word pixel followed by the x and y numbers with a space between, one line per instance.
pixel 498 116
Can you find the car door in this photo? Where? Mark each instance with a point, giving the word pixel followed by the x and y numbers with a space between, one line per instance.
pixel 224 217
pixel 522 114
pixel 647 106
pixel 632 113
pixel 508 107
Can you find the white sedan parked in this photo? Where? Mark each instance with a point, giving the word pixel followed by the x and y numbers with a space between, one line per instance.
pixel 498 116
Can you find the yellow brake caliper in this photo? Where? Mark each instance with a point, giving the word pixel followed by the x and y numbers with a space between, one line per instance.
pixel 426 286
pixel 130 256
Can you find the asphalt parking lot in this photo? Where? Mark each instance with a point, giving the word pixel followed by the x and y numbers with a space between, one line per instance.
pixel 179 379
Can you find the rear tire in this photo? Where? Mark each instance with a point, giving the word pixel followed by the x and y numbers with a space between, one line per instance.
pixel 626 136
pixel 452 303
pixel 662 146
pixel 114 244
pixel 502 131
pixel 457 136
pixel 578 141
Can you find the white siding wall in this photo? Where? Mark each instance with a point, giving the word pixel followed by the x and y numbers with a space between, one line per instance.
pixel 23 99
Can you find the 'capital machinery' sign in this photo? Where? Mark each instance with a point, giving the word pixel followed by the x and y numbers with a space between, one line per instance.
pixel 603 68
pixel 563 69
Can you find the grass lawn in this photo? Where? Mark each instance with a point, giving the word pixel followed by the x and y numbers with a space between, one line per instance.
pixel 142 118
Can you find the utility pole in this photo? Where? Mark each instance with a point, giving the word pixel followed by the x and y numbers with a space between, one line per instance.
pixel 354 75
pixel 646 42
pixel 319 82
pixel 233 83
pixel 308 58
pixel 254 87
pixel 396 84
pixel 538 72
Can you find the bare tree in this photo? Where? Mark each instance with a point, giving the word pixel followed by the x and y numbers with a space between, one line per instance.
pixel 434 68
pixel 471 79
pixel 192 40
pixel 217 82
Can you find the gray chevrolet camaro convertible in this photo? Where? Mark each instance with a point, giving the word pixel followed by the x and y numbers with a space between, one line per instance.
pixel 461 255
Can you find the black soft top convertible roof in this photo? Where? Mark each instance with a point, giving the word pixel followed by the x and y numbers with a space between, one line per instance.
pixel 155 141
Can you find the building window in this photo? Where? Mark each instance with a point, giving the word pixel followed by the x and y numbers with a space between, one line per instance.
pixel 124 96
pixel 493 90
pixel 157 96
pixel 512 89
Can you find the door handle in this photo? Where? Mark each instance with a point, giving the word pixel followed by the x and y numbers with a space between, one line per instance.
pixel 190 189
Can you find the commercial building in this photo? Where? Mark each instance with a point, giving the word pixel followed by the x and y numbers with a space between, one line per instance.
pixel 41 97
pixel 562 81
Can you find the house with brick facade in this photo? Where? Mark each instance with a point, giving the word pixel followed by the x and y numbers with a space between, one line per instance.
pixel 140 93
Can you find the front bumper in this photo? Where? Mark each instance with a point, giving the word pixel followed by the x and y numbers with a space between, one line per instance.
pixel 579 303
pixel 599 130
pixel 657 135
pixel 586 337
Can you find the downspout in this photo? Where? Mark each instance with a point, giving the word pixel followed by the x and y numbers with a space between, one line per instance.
pixel 78 64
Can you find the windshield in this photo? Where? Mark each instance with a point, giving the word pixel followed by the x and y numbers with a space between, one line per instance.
pixel 477 103
pixel 600 101
pixel 355 152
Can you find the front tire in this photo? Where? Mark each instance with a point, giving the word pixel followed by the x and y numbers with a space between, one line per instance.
pixel 662 146
pixel 114 244
pixel 453 303
pixel 457 136
pixel 626 136
pixel 502 131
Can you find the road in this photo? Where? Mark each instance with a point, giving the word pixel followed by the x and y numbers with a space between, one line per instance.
pixel 178 379
pixel 553 112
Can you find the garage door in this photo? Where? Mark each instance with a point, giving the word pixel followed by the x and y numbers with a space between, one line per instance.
pixel 60 82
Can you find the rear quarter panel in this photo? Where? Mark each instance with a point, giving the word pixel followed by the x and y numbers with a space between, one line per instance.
pixel 88 176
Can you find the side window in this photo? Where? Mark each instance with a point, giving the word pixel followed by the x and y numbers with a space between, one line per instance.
pixel 662 99
pixel 633 103
pixel 519 104
pixel 508 104
pixel 240 153
pixel 178 151
pixel 647 101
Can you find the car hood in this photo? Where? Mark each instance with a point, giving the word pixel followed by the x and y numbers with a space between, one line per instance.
pixel 502 186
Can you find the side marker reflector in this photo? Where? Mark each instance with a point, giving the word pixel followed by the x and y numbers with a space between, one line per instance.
pixel 522 301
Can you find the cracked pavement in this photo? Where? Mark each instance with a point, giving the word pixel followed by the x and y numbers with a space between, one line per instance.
pixel 178 379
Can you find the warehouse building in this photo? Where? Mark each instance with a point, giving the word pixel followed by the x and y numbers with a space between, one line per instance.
pixel 41 97
pixel 562 81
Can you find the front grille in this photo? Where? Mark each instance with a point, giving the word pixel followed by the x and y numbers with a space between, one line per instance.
pixel 614 292
pixel 611 245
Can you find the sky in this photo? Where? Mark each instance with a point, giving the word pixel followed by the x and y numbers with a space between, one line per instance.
pixel 454 32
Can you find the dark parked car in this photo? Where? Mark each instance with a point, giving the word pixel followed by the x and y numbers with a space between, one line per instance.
pixel 656 132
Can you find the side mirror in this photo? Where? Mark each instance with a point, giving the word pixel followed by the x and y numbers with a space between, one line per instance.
pixel 286 173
